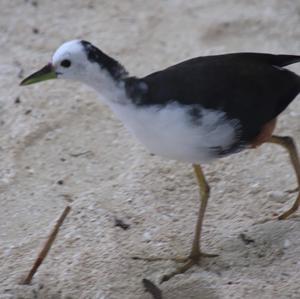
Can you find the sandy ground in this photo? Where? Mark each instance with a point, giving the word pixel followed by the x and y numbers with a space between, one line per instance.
pixel 59 145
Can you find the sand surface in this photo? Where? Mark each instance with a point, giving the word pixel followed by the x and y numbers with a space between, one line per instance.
pixel 60 146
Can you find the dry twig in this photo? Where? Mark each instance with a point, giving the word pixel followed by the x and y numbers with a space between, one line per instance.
pixel 43 253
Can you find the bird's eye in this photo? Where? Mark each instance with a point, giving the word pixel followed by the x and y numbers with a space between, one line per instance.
pixel 65 63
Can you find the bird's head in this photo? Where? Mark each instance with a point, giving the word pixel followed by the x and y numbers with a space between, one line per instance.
pixel 78 60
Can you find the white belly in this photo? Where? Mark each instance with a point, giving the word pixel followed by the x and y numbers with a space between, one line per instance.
pixel 172 132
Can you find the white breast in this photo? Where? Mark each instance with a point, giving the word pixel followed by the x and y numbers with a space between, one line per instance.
pixel 170 131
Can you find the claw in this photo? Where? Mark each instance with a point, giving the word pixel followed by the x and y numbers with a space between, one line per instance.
pixel 190 261
pixel 189 264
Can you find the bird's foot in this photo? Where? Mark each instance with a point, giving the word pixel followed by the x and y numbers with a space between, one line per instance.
pixel 178 259
pixel 282 216
pixel 189 262
pixel 289 212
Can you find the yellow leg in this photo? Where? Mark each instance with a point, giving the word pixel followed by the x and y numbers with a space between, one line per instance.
pixel 204 195
pixel 289 144
pixel 195 253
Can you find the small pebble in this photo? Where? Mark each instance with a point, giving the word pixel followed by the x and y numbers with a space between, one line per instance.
pixel 247 240
pixel 35 31
pixel 286 244
pixel 147 237
pixel 29 170
pixel 277 196
pixel 120 223
pixel 255 188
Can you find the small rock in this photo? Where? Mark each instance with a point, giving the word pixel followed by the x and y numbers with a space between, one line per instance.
pixel 147 237
pixel 120 223
pixel 277 196
pixel 286 244
pixel 8 251
pixel 255 188
pixel 20 73
pixel 247 240
pixel 35 30
pixel 170 188
pixel 29 170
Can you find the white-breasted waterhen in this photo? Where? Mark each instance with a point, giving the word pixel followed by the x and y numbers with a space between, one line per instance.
pixel 195 111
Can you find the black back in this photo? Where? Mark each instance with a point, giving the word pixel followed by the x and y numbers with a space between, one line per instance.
pixel 250 87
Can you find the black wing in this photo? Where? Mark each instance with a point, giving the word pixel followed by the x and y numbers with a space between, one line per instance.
pixel 251 87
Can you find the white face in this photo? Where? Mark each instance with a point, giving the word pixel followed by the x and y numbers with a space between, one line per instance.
pixel 81 61
pixel 70 61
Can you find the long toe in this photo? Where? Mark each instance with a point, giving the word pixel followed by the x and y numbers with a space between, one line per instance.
pixel 179 259
pixel 189 262
pixel 289 212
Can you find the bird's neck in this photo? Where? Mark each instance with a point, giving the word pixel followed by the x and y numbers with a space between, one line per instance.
pixel 109 84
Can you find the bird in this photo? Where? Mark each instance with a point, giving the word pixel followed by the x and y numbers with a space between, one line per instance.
pixel 196 111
